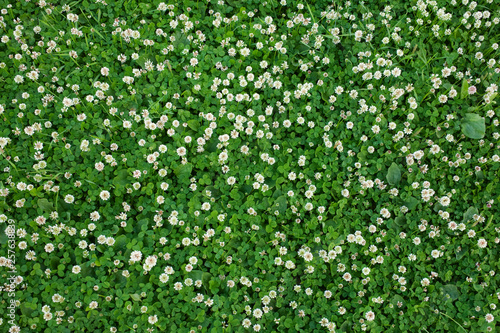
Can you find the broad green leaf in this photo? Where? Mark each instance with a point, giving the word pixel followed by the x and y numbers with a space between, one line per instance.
pixel 280 204
pixel 465 89
pixel 394 174
pixel 399 221
pixel 211 146
pixel 3 236
pixel 183 171
pixel 473 126
pixel 205 278
pixel 180 40
pixel 246 189
pixel 450 58
pixel 469 214
pixel 45 205
pixel 27 309
pixel 193 124
pixel 493 96
pixel 346 326
pixel 271 277
pixel 196 274
pixel 396 299
pixel 135 297
pixel 142 61
pixel 121 177
pixel 463 251
pixel 200 275
pixel 86 270
pixel 411 203
pixel 451 290
pixel 121 242
pixel 142 225
pixel 54 262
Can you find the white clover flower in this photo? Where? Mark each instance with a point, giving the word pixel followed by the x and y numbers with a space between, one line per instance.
pixel 444 201
pixel 4 141
pixel 370 315
pixel 482 243
pixel 246 323
pixel 104 195
pixel 135 256
pixel 69 198
pixel 152 319
pixel 128 80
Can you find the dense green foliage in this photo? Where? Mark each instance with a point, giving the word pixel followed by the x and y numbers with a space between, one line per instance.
pixel 233 166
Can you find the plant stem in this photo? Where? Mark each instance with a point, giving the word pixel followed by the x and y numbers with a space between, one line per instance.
pixel 442 313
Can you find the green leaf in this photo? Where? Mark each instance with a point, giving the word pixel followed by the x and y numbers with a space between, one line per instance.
pixel 280 204
pixel 193 124
pixel 399 222
pixel 121 242
pixel 27 309
pixel 346 326
pixel 214 286
pixel 121 177
pixel 54 262
pixel 45 205
pixel 235 3
pixel 235 194
pixel 135 297
pixel 473 126
pixel 142 61
pixel 451 290
pixel 493 96
pixel 448 275
pixel 469 214
pixel 463 251
pixel 211 146
pixel 142 225
pixel 181 40
pixel 394 174
pixel 246 189
pixel 465 89
pixel 396 299
pixel 450 58
pixel 183 171
pixel 3 236
pixel 205 278
pixel 200 275
pixel 184 114
pixel 271 277
pixel 411 203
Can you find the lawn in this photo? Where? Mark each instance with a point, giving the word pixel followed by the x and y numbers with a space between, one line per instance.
pixel 249 166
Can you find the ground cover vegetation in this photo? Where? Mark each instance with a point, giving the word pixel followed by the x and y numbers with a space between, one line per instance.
pixel 246 166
